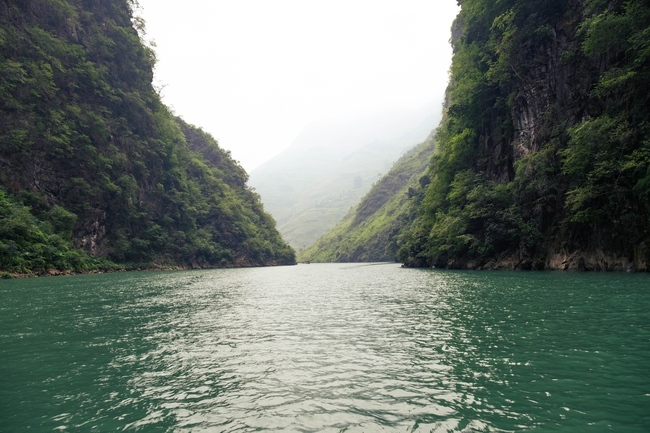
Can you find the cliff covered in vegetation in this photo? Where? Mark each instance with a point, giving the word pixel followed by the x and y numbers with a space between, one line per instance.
pixel 95 169
pixel 543 156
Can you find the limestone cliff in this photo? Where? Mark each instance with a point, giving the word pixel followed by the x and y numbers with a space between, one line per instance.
pixel 542 159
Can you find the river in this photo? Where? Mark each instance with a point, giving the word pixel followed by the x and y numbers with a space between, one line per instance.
pixel 326 348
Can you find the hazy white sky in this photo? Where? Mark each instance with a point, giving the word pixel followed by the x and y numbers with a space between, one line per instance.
pixel 253 73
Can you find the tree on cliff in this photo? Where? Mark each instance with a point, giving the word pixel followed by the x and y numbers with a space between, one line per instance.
pixel 545 145
pixel 83 134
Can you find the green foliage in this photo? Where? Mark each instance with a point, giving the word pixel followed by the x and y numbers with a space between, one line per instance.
pixel 607 157
pixel 29 244
pixel 372 231
pixel 96 160
pixel 585 184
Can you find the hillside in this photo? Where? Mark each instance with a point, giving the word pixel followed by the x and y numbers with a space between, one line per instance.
pixel 331 165
pixel 94 169
pixel 542 159
pixel 370 231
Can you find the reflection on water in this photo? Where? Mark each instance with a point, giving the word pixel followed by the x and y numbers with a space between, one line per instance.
pixel 326 348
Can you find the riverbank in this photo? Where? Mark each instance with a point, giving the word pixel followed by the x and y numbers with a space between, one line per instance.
pixel 6 275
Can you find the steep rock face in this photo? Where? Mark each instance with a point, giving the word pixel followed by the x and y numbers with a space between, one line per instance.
pixel 551 86
pixel 548 88
pixel 82 130
pixel 540 159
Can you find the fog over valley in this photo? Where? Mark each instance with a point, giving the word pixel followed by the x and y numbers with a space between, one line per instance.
pixel 255 74
pixel 332 164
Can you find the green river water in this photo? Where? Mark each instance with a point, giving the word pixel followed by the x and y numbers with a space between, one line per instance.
pixel 326 348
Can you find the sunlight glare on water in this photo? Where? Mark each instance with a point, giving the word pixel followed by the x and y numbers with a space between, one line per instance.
pixel 326 347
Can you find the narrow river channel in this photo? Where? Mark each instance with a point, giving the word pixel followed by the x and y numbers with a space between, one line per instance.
pixel 326 348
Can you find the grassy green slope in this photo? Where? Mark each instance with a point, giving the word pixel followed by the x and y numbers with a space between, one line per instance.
pixel 324 204
pixel 370 231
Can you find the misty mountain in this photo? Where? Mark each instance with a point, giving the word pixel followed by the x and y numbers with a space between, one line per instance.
pixel 331 165
pixel 370 232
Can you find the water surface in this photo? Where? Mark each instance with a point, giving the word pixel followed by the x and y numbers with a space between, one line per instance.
pixel 311 348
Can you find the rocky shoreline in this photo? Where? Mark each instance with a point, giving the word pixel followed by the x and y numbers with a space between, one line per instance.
pixel 596 261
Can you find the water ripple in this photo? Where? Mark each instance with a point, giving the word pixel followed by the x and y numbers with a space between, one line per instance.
pixel 315 348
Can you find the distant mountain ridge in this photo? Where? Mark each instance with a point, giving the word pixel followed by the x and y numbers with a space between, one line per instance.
pixel 330 166
pixel 371 231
